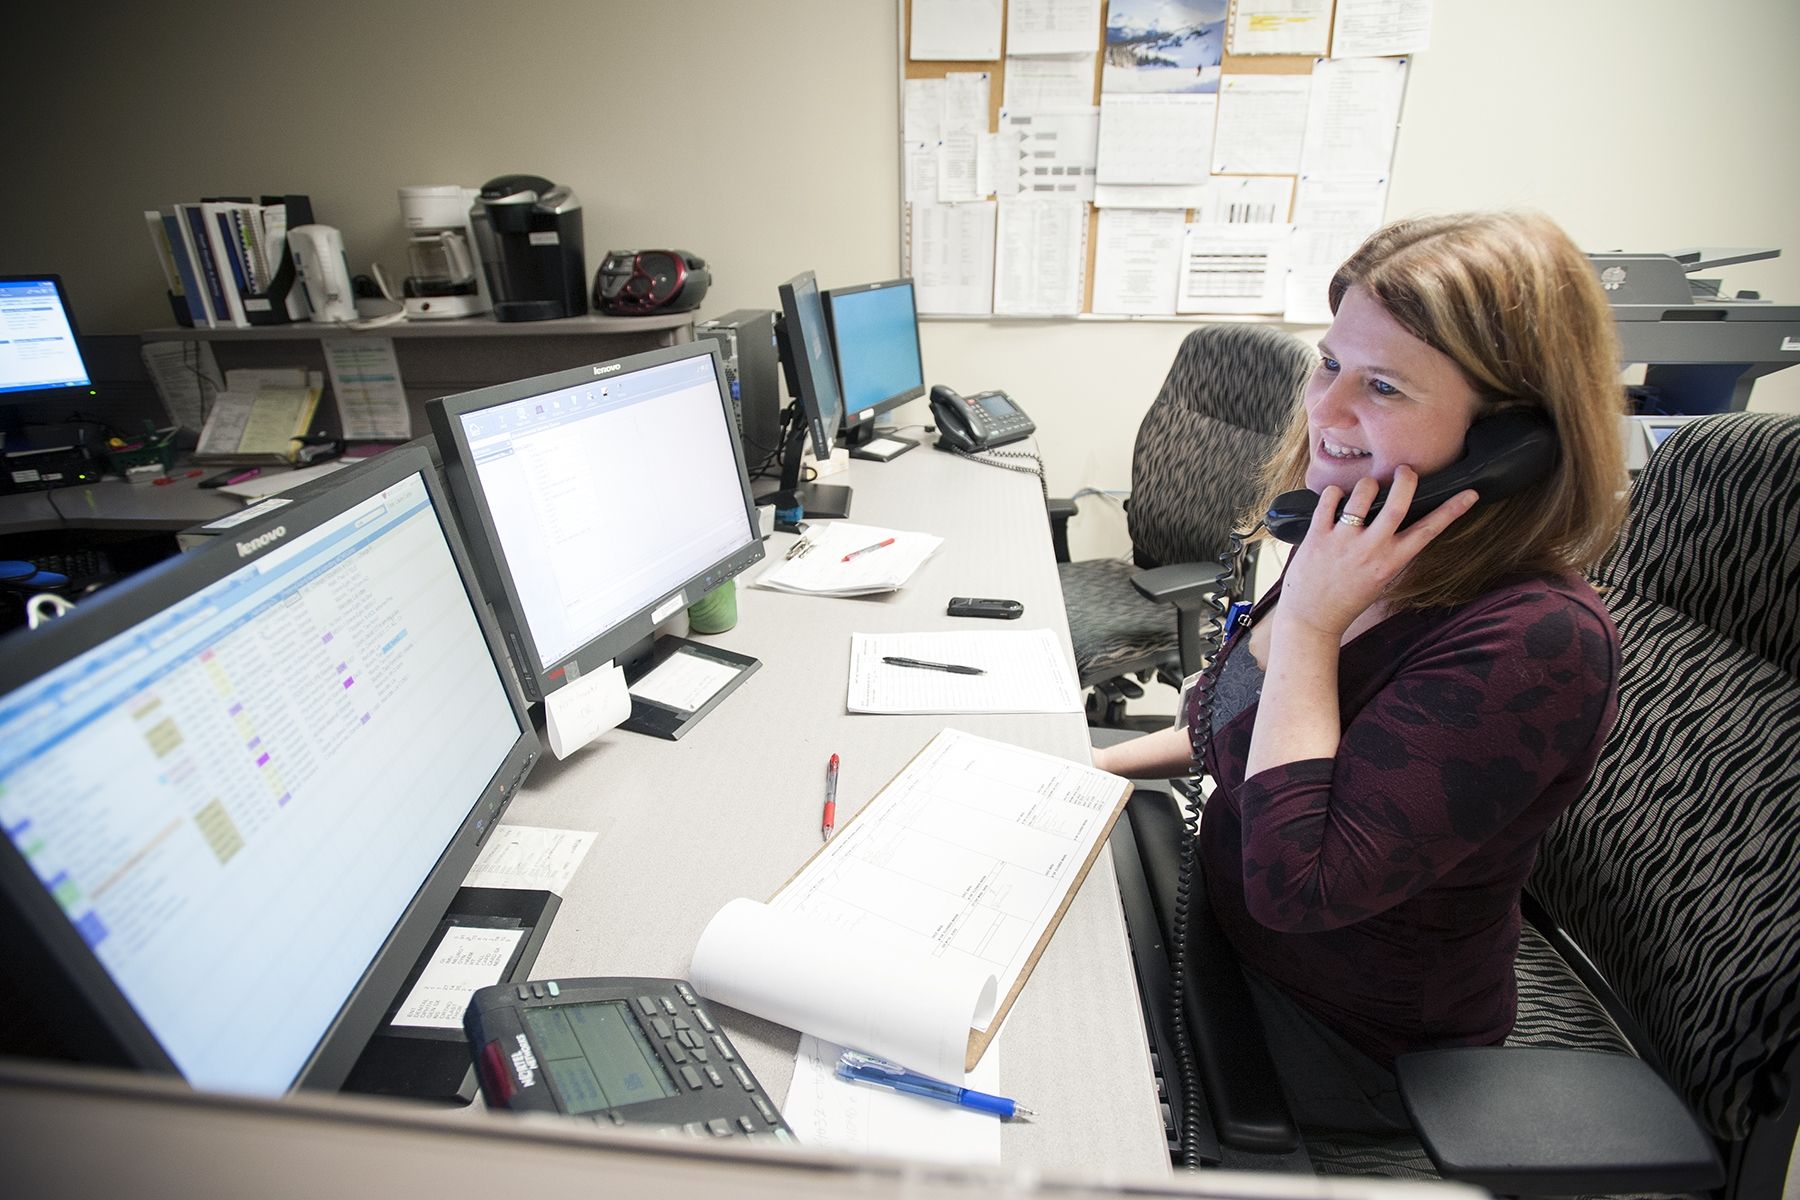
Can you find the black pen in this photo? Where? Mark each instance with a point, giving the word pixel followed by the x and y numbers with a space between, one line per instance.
pixel 921 664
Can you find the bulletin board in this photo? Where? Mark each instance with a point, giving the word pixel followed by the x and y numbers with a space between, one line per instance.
pixel 1147 158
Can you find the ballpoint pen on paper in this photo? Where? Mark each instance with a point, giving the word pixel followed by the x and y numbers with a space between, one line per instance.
pixel 866 549
pixel 920 664
pixel 829 821
pixel 866 1068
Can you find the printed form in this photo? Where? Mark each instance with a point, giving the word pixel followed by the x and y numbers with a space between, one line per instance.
pixel 968 855
pixel 1024 671
pixel 910 934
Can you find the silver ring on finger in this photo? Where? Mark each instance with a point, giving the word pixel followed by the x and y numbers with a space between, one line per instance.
pixel 1352 519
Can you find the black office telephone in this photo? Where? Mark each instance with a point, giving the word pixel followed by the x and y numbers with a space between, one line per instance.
pixel 979 422
pixel 1503 454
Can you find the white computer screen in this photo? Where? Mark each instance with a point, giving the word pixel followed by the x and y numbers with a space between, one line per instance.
pixel 610 496
pixel 234 801
pixel 37 340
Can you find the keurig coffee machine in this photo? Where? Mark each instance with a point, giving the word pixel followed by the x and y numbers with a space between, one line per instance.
pixel 529 233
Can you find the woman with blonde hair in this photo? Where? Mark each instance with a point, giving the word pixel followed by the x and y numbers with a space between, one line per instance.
pixel 1394 725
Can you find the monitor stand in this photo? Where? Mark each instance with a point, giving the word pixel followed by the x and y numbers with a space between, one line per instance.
pixel 862 441
pixel 699 676
pixel 428 1063
pixel 796 501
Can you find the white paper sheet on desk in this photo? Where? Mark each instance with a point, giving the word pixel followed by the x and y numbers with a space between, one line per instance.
pixel 821 571
pixel 274 482
pixel 1026 672
pixel 528 856
pixel 824 1110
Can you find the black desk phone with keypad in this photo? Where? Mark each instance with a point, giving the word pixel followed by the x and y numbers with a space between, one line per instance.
pixel 623 1050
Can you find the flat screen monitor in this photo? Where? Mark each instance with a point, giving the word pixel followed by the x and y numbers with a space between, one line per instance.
pixel 240 790
pixel 598 502
pixel 38 347
pixel 804 343
pixel 875 339
pixel 812 372
pixel 40 351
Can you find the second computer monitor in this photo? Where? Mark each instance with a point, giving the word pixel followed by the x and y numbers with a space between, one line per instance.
pixel 598 502
pixel 812 372
pixel 875 336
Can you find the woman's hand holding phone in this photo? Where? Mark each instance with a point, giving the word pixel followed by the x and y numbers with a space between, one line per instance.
pixel 1342 566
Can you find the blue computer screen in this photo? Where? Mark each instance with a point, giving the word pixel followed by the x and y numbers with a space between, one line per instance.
pixel 235 800
pixel 38 351
pixel 876 332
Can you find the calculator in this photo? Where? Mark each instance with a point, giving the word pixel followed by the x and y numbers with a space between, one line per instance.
pixel 619 1050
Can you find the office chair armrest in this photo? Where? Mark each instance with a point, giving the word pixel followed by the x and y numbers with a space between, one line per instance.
pixel 1534 1120
pixel 1236 1071
pixel 1185 585
pixel 1061 508
pixel 1193 590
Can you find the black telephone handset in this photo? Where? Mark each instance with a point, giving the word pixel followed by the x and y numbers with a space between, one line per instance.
pixel 1503 454
pixel 979 422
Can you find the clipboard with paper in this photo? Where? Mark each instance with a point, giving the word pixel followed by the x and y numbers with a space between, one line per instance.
pixel 260 416
pixel 911 932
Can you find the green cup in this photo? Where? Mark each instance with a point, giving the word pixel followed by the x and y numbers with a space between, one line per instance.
pixel 716 611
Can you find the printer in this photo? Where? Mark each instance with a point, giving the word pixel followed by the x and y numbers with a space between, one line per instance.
pixel 1701 350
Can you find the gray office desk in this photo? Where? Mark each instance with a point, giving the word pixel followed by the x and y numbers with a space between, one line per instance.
pixel 733 809
pixel 113 504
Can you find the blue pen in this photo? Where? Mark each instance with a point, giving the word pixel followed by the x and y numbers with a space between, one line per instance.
pixel 866 1068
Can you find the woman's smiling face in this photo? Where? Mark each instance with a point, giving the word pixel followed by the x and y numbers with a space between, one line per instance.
pixel 1380 398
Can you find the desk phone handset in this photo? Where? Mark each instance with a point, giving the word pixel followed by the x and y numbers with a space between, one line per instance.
pixel 1503 454
pixel 979 422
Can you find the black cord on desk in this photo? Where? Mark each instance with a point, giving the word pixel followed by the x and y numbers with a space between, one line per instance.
pixel 50 498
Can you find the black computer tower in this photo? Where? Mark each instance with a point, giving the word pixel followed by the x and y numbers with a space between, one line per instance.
pixel 746 338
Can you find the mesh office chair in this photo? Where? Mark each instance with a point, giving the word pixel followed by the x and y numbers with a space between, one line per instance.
pixel 1665 905
pixel 1228 395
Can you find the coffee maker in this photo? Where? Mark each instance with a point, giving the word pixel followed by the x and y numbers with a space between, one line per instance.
pixel 530 236
pixel 444 279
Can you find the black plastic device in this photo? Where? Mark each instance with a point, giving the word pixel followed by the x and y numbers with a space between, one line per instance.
pixel 1502 454
pixel 624 1050
pixel 970 606
pixel 971 424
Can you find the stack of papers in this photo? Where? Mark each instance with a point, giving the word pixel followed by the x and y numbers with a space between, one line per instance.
pixel 1022 671
pixel 841 559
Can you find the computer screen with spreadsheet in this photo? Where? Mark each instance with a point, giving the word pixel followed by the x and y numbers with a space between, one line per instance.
pixel 239 791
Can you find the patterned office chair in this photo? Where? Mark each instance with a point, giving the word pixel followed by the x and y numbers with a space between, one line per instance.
pixel 1665 905
pixel 1227 397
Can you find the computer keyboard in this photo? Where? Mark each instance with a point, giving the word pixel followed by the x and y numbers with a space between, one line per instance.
pixel 81 566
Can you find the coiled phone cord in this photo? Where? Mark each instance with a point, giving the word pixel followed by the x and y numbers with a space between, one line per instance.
pixel 1186 1065
pixel 986 458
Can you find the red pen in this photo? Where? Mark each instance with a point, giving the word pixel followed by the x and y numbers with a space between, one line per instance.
pixel 866 549
pixel 830 820
pixel 241 476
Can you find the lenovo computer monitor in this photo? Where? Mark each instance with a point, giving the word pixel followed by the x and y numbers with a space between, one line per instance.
pixel 875 339
pixel 40 353
pixel 598 502
pixel 240 790
pixel 805 347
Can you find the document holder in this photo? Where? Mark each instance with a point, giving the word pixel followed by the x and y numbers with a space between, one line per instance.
pixel 270 307
pixel 671 721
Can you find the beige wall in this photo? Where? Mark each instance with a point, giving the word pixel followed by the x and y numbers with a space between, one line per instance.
pixel 761 135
